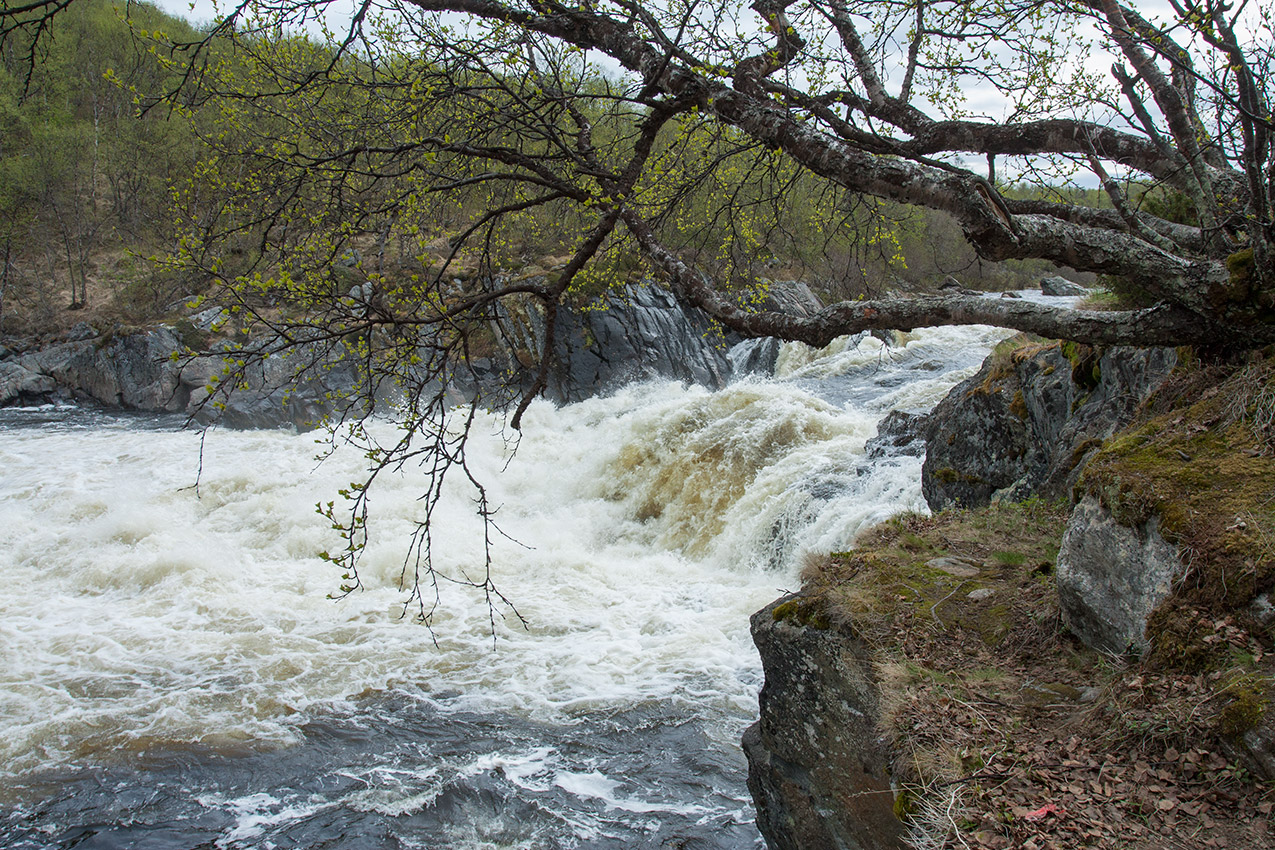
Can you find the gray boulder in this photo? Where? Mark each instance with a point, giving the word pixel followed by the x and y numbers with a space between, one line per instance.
pixel 817 764
pixel 899 434
pixel 1025 425
pixel 1112 577
pixel 22 386
pixel 1055 285
pixel 81 331
pixel 210 318
pixel 759 356
pixel 791 296
pixel 1256 746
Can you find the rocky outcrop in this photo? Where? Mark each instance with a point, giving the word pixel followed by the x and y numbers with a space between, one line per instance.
pixel 645 334
pixel 1060 286
pixel 1187 489
pixel 151 370
pixel 639 333
pixel 281 391
pixel 1029 419
pixel 1112 577
pixel 19 385
pixel 129 370
pixel 817 768
pixel 636 333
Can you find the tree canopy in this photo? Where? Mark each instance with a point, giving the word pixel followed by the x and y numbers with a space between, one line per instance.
pixel 626 120
pixel 392 178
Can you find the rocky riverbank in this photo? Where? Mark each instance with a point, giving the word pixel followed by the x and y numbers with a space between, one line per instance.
pixel 1126 605
pixel 639 332
pixel 1089 667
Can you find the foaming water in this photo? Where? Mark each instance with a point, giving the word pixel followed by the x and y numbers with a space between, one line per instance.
pixel 176 644
pixel 144 609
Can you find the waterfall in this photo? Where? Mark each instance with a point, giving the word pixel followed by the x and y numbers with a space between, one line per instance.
pixel 174 668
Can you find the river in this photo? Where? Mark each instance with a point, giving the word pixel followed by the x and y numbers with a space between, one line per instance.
pixel 175 674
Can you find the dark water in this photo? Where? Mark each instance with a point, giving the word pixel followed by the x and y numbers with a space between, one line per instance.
pixel 409 774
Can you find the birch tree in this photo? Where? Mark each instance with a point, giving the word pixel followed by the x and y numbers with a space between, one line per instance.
pixel 458 130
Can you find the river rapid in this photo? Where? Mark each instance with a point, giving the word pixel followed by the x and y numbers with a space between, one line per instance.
pixel 175 674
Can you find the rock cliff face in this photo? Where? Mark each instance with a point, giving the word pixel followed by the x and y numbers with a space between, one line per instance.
pixel 1027 421
pixel 816 768
pixel 133 370
pixel 641 333
pixel 151 371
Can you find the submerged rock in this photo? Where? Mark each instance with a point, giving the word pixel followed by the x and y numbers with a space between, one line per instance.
pixel 754 357
pixel 817 766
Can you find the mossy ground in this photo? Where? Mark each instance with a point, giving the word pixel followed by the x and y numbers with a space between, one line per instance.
pixel 1008 354
pixel 1007 732
pixel 1203 466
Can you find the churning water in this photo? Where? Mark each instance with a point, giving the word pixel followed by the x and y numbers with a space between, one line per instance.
pixel 175 675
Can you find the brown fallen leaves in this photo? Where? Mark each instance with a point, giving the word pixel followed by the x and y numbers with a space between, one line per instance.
pixel 1191 799
pixel 1002 761
pixel 1019 737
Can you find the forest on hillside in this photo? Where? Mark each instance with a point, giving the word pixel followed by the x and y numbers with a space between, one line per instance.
pixel 117 183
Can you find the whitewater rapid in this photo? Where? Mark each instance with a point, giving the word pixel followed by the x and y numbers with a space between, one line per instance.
pixel 144 616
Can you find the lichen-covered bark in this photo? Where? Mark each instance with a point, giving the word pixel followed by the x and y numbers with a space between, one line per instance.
pixel 1186 266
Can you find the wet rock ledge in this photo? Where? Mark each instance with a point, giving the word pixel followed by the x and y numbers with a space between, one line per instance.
pixel 817 768
pixel 636 333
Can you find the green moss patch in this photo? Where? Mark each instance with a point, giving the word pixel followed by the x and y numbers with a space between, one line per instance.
pixel 1247 701
pixel 802 611
pixel 890 573
pixel 1084 359
pixel 1203 468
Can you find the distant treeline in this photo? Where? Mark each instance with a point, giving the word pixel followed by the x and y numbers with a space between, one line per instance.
pixel 111 184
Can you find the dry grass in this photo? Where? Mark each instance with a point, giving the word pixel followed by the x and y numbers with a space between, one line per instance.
pixel 1251 394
